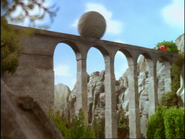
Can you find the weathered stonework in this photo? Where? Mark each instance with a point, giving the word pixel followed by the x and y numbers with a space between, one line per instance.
pixel 35 76
pixel 92 24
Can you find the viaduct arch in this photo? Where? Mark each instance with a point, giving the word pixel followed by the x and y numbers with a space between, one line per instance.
pixel 35 75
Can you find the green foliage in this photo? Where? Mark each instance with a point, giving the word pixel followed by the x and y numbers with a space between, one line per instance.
pixel 10 48
pixel 11 45
pixel 171 46
pixel 174 123
pixel 166 123
pixel 99 129
pixel 155 128
pixel 169 99
pixel 122 122
pixel 60 122
pixel 77 129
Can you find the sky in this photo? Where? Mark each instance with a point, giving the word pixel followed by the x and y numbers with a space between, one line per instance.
pixel 137 22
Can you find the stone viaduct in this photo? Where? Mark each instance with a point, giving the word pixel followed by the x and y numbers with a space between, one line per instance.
pixel 35 75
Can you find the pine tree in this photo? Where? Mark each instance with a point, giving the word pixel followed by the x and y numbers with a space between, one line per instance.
pixel 78 129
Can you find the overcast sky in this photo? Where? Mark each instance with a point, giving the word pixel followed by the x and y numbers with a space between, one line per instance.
pixel 137 22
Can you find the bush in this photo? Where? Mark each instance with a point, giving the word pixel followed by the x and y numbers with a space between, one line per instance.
pixel 123 122
pixel 174 123
pixel 171 46
pixel 169 99
pixel 166 123
pixel 99 129
pixel 78 128
pixel 10 48
pixel 60 122
pixel 155 128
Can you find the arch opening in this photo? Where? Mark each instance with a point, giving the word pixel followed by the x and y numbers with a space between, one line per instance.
pixel 163 67
pixel 65 70
pixel 146 87
pixel 121 76
pixel 95 83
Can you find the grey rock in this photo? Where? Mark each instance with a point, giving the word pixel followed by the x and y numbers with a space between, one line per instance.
pixel 61 96
pixel 180 43
pixel 92 24
pixel 143 122
pixel 180 91
pixel 23 118
pixel 96 93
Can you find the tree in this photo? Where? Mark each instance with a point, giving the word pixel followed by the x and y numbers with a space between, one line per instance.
pixel 78 129
pixel 11 45
pixel 27 7
pixel 99 128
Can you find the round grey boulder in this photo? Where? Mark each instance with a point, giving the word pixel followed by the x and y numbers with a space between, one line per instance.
pixel 92 24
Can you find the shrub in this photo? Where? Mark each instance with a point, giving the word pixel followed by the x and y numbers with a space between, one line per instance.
pixel 155 128
pixel 99 129
pixel 123 122
pixel 60 122
pixel 169 99
pixel 171 46
pixel 166 123
pixel 174 123
pixel 11 48
pixel 78 128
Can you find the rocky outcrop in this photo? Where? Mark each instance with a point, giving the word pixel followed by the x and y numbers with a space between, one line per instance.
pixel 23 118
pixel 180 92
pixel 61 96
pixel 180 43
pixel 96 93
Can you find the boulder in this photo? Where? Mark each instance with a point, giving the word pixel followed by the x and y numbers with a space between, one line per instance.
pixel 61 95
pixel 92 24
pixel 23 118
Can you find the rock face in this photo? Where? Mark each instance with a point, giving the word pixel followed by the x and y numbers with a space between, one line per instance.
pixel 180 92
pixel 180 42
pixel 61 95
pixel 23 118
pixel 92 24
pixel 96 94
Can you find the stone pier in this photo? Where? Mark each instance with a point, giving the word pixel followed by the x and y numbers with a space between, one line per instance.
pixel 35 77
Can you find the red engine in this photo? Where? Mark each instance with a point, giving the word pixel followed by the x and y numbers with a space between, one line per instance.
pixel 163 48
